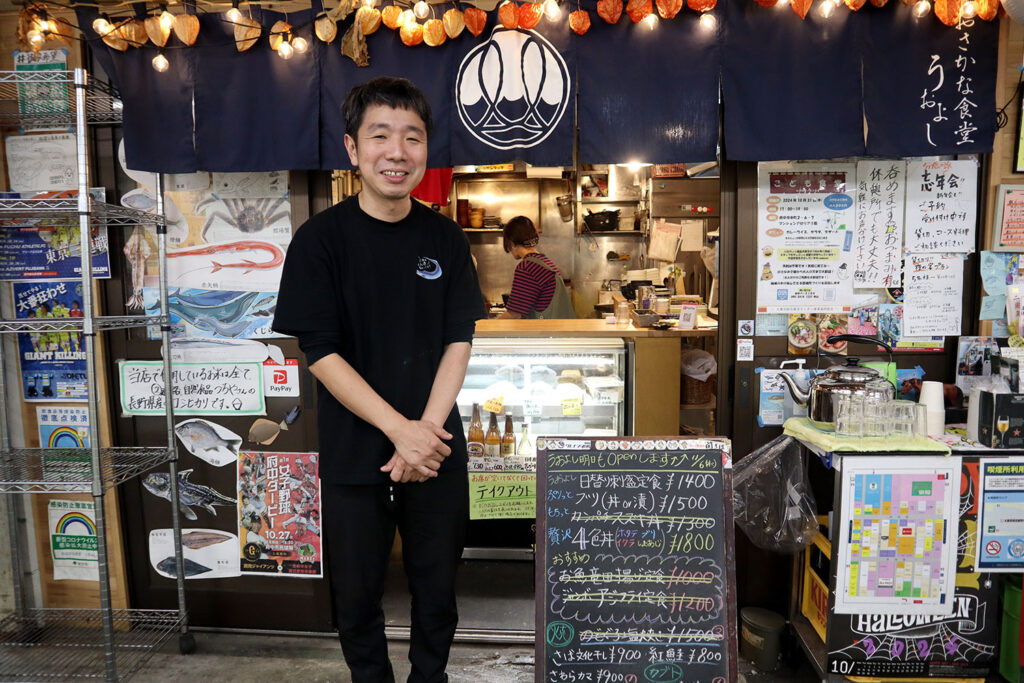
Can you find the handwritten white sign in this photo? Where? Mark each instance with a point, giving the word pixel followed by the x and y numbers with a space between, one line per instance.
pixel 933 295
pixel 942 206
pixel 198 388
pixel 40 163
pixel 878 242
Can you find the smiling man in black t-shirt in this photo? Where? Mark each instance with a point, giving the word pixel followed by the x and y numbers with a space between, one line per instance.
pixel 383 297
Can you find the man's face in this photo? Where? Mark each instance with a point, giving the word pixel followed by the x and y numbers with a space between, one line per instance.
pixel 390 151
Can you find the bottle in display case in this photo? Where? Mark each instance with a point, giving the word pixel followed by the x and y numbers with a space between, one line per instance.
pixel 475 440
pixel 492 445
pixel 508 439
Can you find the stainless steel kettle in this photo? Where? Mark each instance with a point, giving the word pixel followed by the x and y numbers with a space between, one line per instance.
pixel 824 390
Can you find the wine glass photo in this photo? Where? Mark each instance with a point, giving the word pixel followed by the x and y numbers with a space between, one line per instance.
pixel 1002 424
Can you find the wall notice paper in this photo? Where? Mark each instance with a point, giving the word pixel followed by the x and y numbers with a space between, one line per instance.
pixel 53 363
pixel 805 237
pixel 40 163
pixel 250 185
pixel 281 379
pixel 998 270
pixel 63 426
pixel 206 553
pixel 502 495
pixel 1009 220
pixel 1001 517
pixel 878 245
pixel 664 241
pixel 279 514
pixel 42 98
pixel 202 388
pixel 933 295
pixel 239 265
pixel 896 551
pixel 942 206
pixel 73 540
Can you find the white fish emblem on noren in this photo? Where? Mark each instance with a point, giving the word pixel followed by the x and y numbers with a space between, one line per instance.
pixel 512 91
pixel 428 268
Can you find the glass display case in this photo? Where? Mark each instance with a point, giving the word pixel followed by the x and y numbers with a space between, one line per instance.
pixel 564 386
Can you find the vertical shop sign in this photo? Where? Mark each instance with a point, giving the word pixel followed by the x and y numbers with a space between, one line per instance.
pixel 932 297
pixel 805 237
pixel 73 540
pixel 878 249
pixel 942 206
pixel 279 514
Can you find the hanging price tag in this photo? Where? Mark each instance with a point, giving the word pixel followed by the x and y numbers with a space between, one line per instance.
pixel 495 405
pixel 572 406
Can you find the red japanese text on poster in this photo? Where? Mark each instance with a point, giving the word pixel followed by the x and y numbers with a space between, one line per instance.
pixel 279 514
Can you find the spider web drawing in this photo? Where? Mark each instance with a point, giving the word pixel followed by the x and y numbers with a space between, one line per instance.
pixel 944 645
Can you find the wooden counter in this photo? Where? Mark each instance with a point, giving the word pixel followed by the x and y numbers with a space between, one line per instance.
pixel 656 366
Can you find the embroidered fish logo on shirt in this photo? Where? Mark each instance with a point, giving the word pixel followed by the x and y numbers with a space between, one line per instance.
pixel 428 268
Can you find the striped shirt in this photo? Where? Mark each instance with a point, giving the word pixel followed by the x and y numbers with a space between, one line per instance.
pixel 533 285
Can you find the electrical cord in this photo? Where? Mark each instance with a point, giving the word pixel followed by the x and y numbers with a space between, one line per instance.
pixel 1001 118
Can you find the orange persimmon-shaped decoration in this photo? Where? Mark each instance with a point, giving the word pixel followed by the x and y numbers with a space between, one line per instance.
pixel 530 14
pixel 476 20
pixel 247 32
pixel 988 9
pixel 855 5
pixel 766 3
pixel 369 18
pixel 801 7
pixel 389 15
pixel 948 11
pixel 412 33
pixel 879 3
pixel 508 13
pixel 579 21
pixel 278 32
pixel 186 27
pixel 157 31
pixel 453 22
pixel 667 9
pixel 638 9
pixel 609 10
pixel 433 33
pixel 701 5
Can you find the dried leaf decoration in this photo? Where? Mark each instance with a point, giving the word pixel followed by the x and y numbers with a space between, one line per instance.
pixel 247 32
pixel 609 10
pixel 476 20
pixel 412 33
pixel 638 9
pixel 433 33
pixel 389 15
pixel 668 8
pixel 948 11
pixel 134 31
pixel 278 31
pixel 454 22
pixel 63 32
pixel 988 9
pixel 156 31
pixel 508 13
pixel 370 18
pixel 353 45
pixel 855 5
pixel 701 5
pixel 801 7
pixel 325 28
pixel 530 14
pixel 344 8
pixel 114 39
pixel 186 27
pixel 579 21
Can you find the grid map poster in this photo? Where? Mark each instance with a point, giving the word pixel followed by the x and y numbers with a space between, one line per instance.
pixel 896 550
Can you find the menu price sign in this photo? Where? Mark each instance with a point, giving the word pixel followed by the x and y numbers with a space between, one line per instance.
pixel 635 543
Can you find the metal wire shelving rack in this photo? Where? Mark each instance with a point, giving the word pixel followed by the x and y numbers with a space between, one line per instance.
pixel 101 643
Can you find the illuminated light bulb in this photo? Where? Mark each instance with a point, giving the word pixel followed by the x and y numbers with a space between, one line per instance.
pixel 299 44
pixel 51 26
pixel 921 8
pixel 166 20
pixel 651 20
pixel 421 9
pixel 101 25
pixel 369 3
pixel 406 17
pixel 35 38
pixel 708 21
pixel 233 15
pixel 551 10
pixel 969 10
pixel 826 9
pixel 782 3
pixel 160 62
pixel 285 51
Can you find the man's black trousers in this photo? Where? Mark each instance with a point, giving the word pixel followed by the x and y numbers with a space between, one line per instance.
pixel 359 531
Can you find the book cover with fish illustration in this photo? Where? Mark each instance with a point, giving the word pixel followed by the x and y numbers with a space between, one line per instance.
pixel 279 514
pixel 53 364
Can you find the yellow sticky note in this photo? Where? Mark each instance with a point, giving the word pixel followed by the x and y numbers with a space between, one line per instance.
pixel 495 405
pixel 572 406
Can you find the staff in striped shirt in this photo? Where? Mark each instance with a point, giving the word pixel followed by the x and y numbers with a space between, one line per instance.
pixel 538 290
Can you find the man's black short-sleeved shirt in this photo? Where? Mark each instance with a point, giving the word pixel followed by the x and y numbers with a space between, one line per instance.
pixel 387 297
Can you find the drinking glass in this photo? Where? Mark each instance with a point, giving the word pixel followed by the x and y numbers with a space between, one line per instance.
pixel 902 418
pixel 1002 425
pixel 921 420
pixel 849 416
pixel 877 416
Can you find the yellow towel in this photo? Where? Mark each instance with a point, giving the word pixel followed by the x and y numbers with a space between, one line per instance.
pixel 801 428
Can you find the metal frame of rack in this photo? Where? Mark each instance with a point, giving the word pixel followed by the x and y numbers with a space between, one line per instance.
pixel 103 642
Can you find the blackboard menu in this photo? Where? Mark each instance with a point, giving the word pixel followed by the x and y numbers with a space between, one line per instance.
pixel 635 570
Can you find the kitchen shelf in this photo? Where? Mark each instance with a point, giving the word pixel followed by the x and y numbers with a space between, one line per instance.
pixel 600 200
pixel 100 322
pixel 69 470
pixel 612 232
pixel 68 644
pixel 15 213
pixel 47 98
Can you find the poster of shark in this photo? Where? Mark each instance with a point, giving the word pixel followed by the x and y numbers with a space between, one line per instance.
pixel 219 314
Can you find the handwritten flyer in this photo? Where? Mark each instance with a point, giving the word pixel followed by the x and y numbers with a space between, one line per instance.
pixel 933 295
pixel 1009 221
pixel 878 243
pixel 805 237
pixel 37 163
pixel 200 388
pixel 942 206
pixel 502 495
pixel 279 514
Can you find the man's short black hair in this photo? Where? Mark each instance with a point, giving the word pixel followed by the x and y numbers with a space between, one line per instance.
pixel 397 93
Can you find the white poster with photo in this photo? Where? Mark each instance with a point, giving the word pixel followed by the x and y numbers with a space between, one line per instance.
pixel 235 266
pixel 878 245
pixel 73 544
pixel 206 553
pixel 805 237
pixel 42 163
pixel 933 295
pixel 942 206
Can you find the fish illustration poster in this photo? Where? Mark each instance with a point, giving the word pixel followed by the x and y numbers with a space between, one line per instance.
pixel 279 514
pixel 206 553
pixel 210 314
pixel 52 362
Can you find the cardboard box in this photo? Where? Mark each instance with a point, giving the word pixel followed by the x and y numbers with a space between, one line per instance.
pixel 1001 420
